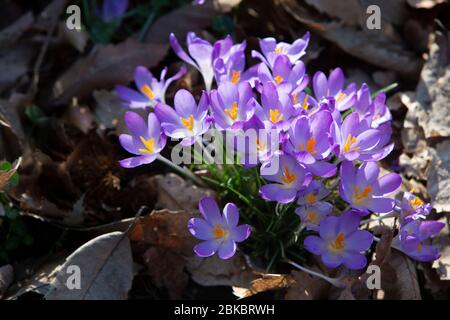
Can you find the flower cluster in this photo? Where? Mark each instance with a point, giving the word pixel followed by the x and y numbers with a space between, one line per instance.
pixel 325 139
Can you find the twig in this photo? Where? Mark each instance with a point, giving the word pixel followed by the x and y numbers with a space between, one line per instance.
pixel 183 171
pixel 334 281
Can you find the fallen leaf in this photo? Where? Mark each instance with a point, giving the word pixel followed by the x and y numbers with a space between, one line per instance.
pixel 214 271
pixel 442 241
pixel 13 32
pixel 175 193
pixel 266 282
pixel 307 287
pixel 424 4
pixel 373 47
pixel 189 18
pixel 106 267
pixel 438 183
pixel 432 93
pixel 105 67
pixel 76 38
pixel 349 12
pixel 6 278
pixel 109 109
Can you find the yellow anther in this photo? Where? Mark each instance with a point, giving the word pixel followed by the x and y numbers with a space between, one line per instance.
pixel 341 96
pixel 149 145
pixel 349 143
pixel 233 111
pixel 338 243
pixel 219 232
pixel 360 198
pixel 188 122
pixel 275 115
pixel 235 76
pixel 278 79
pixel 145 89
pixel 288 177
pixel 311 198
pixel 416 202
pixel 305 103
pixel 310 146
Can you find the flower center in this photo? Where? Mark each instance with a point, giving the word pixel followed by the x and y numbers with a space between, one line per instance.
pixel 260 146
pixel 275 115
pixel 310 146
pixel 219 232
pixel 188 122
pixel 360 198
pixel 416 202
pixel 280 50
pixel 305 104
pixel 311 198
pixel 145 89
pixel 233 111
pixel 338 243
pixel 235 76
pixel 149 145
pixel 288 177
pixel 311 216
pixel 341 96
pixel 278 79
pixel 294 98
pixel 349 143
pixel 419 247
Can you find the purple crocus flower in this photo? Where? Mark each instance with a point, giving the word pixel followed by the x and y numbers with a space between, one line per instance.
pixel 187 121
pixel 112 10
pixel 413 239
pixel 199 2
pixel 355 140
pixel 271 50
pixel 413 208
pixel 312 210
pixel 334 87
pixel 146 140
pixel 200 55
pixel 310 143
pixel 289 178
pixel 341 242
pixel 229 61
pixel 151 91
pixel 287 77
pixel 255 144
pixel 276 109
pixel 219 232
pixel 376 110
pixel 232 105
pixel 363 190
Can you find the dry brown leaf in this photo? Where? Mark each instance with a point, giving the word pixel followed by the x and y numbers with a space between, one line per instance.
pixel 307 287
pixel 432 92
pixel 105 67
pixel 373 47
pixel 106 267
pixel 76 38
pixel 6 278
pixel 438 183
pixel 167 234
pixel 424 4
pixel 214 271
pixel 10 34
pixel 442 241
pixel 189 18
pixel 349 12
pixel 109 109
pixel 175 193
pixel 266 282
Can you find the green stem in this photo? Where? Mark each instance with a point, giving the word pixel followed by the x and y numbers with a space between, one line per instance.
pixel 183 171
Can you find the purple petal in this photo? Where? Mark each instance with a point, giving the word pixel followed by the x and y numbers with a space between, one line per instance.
pixel 388 183
pixel 137 161
pixel 314 244
pixel 227 249
pixel 128 143
pixel 200 229
pixel 231 214
pixel 133 98
pixel 136 125
pixel 180 52
pixel 210 211
pixel 206 248
pixel 185 104
pixel 329 228
pixel 380 205
pixel 331 260
pixel 354 261
pixel 275 192
pixel 358 241
pixel 336 81
pixel 241 233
